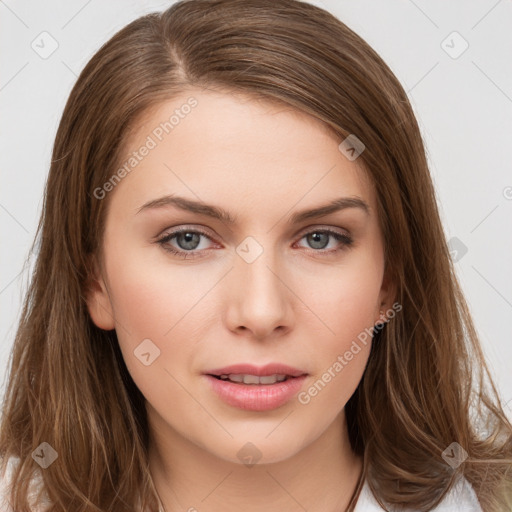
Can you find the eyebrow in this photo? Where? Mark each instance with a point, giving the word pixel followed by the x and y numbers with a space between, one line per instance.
pixel 218 213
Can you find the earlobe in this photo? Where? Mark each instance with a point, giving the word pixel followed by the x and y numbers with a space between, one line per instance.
pixel 98 299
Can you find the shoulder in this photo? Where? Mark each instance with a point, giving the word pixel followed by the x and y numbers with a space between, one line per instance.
pixel 34 489
pixel 461 498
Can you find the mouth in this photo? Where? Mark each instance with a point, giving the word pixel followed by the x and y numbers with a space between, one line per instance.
pixel 245 373
pixel 255 388
pixel 253 379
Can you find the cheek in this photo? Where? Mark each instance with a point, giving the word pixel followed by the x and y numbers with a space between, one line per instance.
pixel 150 295
pixel 152 327
pixel 342 351
pixel 162 302
pixel 346 305
pixel 346 299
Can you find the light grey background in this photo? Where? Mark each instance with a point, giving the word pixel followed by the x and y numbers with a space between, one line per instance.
pixel 463 104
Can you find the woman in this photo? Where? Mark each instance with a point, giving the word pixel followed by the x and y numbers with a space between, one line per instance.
pixel 243 296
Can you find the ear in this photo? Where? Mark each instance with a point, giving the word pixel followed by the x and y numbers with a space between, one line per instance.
pixel 97 297
pixel 387 297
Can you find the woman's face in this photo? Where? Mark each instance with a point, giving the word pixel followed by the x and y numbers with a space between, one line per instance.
pixel 271 284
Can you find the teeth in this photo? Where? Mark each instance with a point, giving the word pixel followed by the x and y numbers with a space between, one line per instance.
pixel 254 379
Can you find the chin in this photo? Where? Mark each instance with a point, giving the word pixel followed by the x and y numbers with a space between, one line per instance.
pixel 254 449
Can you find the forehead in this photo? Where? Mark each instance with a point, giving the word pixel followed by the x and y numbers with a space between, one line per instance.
pixel 231 105
pixel 223 143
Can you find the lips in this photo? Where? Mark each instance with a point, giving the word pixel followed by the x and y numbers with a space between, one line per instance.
pixel 256 388
pixel 260 371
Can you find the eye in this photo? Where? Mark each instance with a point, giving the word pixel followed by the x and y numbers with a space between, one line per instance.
pixel 187 240
pixel 319 240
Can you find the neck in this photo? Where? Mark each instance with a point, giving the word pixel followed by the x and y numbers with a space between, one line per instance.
pixel 322 477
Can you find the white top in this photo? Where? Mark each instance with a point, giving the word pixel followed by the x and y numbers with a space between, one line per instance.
pixel 461 498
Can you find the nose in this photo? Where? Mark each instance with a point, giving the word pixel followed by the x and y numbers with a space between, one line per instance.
pixel 260 300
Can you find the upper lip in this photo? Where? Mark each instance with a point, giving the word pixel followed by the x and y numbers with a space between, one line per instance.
pixel 260 371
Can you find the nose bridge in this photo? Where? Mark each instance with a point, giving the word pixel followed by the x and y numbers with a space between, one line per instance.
pixel 257 268
pixel 261 300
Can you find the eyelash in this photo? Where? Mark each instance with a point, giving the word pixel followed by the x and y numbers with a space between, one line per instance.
pixel 346 242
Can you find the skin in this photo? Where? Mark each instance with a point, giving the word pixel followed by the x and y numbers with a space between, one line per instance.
pixel 299 303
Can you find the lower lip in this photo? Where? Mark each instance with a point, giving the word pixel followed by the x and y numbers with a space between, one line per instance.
pixel 256 397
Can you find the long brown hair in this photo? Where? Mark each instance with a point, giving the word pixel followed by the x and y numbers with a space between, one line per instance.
pixel 426 384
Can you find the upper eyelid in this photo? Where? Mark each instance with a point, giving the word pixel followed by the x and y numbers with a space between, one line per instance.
pixel 204 230
pixel 177 231
pixel 303 232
